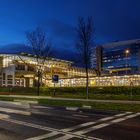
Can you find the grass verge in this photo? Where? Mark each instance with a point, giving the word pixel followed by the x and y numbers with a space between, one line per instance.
pixel 94 105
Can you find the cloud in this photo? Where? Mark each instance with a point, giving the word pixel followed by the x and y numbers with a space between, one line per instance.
pixel 59 29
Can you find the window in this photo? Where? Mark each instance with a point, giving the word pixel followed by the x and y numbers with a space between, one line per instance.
pixel 30 68
pixel 20 67
pixel 4 76
pixel 7 61
pixel 9 79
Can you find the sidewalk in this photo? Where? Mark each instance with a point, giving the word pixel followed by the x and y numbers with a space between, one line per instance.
pixel 73 99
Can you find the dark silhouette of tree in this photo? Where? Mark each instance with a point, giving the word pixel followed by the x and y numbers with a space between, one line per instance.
pixel 84 44
pixel 41 48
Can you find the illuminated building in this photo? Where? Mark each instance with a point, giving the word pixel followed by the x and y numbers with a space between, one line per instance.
pixel 19 70
pixel 118 58
pixel 115 66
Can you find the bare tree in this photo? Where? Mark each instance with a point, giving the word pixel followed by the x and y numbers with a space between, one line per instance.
pixel 41 48
pixel 84 44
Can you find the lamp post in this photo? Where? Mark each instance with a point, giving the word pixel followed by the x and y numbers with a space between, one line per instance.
pixel 127 51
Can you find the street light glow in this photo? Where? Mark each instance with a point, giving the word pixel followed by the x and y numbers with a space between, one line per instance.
pixel 127 51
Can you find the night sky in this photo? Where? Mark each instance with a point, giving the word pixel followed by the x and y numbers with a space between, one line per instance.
pixel 113 20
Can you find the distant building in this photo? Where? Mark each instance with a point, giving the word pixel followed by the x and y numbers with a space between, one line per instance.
pixel 118 58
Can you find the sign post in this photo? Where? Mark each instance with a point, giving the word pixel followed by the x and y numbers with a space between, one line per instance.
pixel 55 79
pixel 131 85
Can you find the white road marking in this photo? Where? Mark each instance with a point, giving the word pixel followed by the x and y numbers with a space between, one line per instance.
pixel 30 125
pixel 91 123
pixel 66 132
pixel 8 110
pixel 66 137
pixel 54 133
pixel 47 129
pixel 117 115
pixel 125 118
pixel 87 130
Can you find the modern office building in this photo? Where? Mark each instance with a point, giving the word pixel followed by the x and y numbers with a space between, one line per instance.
pixel 118 58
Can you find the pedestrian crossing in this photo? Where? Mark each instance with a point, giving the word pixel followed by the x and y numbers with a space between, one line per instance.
pixel 98 121
pixel 105 124
pixel 78 131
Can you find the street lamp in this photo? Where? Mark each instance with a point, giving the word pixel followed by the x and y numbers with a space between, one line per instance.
pixel 127 51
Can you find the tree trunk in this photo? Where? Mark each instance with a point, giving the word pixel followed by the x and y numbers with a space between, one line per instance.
pixel 87 83
pixel 38 83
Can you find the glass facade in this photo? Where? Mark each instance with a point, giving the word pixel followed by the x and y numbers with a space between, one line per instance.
pixel 122 59
pixel 127 80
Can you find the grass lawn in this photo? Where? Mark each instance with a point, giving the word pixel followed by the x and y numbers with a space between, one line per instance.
pixel 94 105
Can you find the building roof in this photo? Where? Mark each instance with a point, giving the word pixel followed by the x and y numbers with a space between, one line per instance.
pixel 120 43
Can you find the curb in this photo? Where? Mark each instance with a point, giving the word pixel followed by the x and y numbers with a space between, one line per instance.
pixel 26 101
pixel 78 108
pixel 72 108
pixel 67 108
pixel 84 109
pixel 15 104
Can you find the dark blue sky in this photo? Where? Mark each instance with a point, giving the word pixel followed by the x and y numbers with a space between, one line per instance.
pixel 113 20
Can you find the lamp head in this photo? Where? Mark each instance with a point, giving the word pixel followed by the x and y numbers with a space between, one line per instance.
pixel 127 51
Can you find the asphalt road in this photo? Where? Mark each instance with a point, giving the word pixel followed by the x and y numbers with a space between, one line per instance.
pixel 37 122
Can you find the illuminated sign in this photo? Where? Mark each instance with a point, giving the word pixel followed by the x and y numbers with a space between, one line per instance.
pixel 55 78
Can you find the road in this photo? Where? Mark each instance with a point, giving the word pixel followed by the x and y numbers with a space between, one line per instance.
pixel 38 122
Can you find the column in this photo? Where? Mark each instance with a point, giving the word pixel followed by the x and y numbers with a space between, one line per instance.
pixel 99 51
pixel 139 61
